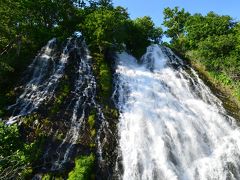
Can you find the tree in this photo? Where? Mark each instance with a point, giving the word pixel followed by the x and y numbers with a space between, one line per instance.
pixel 26 23
pixel 148 29
pixel 141 32
pixel 237 33
pixel 26 19
pixel 174 20
pixel 102 28
pixel 200 27
pixel 217 46
pixel 105 3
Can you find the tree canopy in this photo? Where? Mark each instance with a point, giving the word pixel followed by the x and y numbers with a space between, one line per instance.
pixel 174 20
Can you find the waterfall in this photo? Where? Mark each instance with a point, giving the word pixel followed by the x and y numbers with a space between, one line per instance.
pixel 83 99
pixel 41 88
pixel 171 125
pixel 46 71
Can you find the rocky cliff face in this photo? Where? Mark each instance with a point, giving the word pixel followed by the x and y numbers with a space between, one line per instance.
pixel 57 101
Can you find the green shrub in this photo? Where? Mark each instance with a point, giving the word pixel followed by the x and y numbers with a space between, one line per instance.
pixel 17 156
pixel 83 168
pixel 46 177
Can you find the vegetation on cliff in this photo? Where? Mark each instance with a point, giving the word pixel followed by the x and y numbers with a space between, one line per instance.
pixel 210 42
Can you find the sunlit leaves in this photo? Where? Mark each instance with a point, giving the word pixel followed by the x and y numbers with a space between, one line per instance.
pixel 174 20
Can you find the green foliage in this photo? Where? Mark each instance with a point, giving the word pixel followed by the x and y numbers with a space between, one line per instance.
pixel 105 79
pixel 16 156
pixel 237 32
pixel 83 168
pixel 46 177
pixel 9 139
pixel 224 78
pixel 103 75
pixel 174 20
pixel 23 17
pixel 200 27
pixel 222 46
pixel 111 28
pixel 148 30
pixel 105 3
pixel 140 33
pixel 103 27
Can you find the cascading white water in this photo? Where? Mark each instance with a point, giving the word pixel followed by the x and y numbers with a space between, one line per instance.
pixel 84 92
pixel 171 126
pixel 46 73
pixel 83 100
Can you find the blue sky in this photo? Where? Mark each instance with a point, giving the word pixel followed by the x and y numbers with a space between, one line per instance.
pixel 154 8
